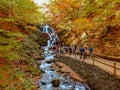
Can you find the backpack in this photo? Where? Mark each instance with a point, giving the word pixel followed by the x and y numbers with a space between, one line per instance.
pixel 90 49
pixel 81 49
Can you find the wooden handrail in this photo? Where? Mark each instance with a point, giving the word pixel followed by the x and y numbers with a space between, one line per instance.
pixel 111 59
pixel 93 56
pixel 107 64
pixel 103 56
pixel 107 57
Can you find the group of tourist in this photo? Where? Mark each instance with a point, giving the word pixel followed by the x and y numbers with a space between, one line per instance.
pixel 61 49
pixel 84 50
pixel 65 49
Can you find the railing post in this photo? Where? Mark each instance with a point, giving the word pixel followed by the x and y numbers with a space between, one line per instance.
pixel 69 53
pixel 83 57
pixel 75 55
pixel 93 61
pixel 114 68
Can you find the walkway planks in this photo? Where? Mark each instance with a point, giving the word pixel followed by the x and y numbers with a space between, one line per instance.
pixel 106 66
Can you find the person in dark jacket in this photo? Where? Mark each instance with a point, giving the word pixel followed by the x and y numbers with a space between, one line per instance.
pixel 90 50
pixel 82 50
pixel 70 50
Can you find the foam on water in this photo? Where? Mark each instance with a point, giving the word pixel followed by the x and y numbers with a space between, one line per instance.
pixel 45 83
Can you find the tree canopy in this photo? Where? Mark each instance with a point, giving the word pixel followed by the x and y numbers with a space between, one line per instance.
pixel 78 16
pixel 22 11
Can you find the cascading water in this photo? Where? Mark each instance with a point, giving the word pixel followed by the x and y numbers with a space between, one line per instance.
pixel 45 83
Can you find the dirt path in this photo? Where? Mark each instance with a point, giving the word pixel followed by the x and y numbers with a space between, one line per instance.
pixel 100 65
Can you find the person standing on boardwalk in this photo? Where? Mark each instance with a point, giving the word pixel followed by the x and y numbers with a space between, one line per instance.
pixel 57 47
pixel 82 50
pixel 90 50
pixel 70 50
pixel 75 48
pixel 63 49
pixel 85 51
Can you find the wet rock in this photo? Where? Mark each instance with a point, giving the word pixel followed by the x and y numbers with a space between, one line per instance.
pixel 39 62
pixel 43 83
pixel 56 82
pixel 40 58
pixel 52 69
pixel 50 61
pixel 56 59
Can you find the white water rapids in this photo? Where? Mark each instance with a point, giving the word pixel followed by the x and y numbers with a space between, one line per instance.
pixel 45 83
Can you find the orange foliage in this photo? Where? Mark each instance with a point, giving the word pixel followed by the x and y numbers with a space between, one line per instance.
pixel 9 26
pixel 3 14
pixel 4 73
pixel 57 19
pixel 2 62
pixel 64 4
pixel 81 23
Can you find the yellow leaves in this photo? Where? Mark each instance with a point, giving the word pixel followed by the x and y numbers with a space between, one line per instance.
pixel 61 25
pixel 31 27
pixel 67 4
pixel 80 20
pixel 21 79
pixel 81 23
pixel 76 5
pixel 57 19
pixel 64 4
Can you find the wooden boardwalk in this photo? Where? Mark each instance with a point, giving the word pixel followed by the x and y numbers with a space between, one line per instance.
pixel 109 66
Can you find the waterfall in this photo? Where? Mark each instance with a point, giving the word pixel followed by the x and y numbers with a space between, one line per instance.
pixel 45 83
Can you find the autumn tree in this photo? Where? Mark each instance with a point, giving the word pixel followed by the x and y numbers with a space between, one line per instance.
pixel 72 18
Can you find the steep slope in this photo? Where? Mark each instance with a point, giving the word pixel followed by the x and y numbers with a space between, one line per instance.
pixel 18 49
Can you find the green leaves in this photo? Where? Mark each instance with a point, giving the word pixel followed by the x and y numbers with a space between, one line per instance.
pixel 26 11
pixel 23 11
pixel 1 76
pixel 8 43
pixel 18 81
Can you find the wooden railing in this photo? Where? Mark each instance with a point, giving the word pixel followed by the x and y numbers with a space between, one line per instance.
pixel 103 56
pixel 114 66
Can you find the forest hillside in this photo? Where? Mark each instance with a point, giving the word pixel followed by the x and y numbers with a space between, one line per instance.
pixel 20 41
pixel 81 22
pixel 88 22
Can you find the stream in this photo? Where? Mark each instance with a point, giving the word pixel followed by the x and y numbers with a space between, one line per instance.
pixel 51 79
